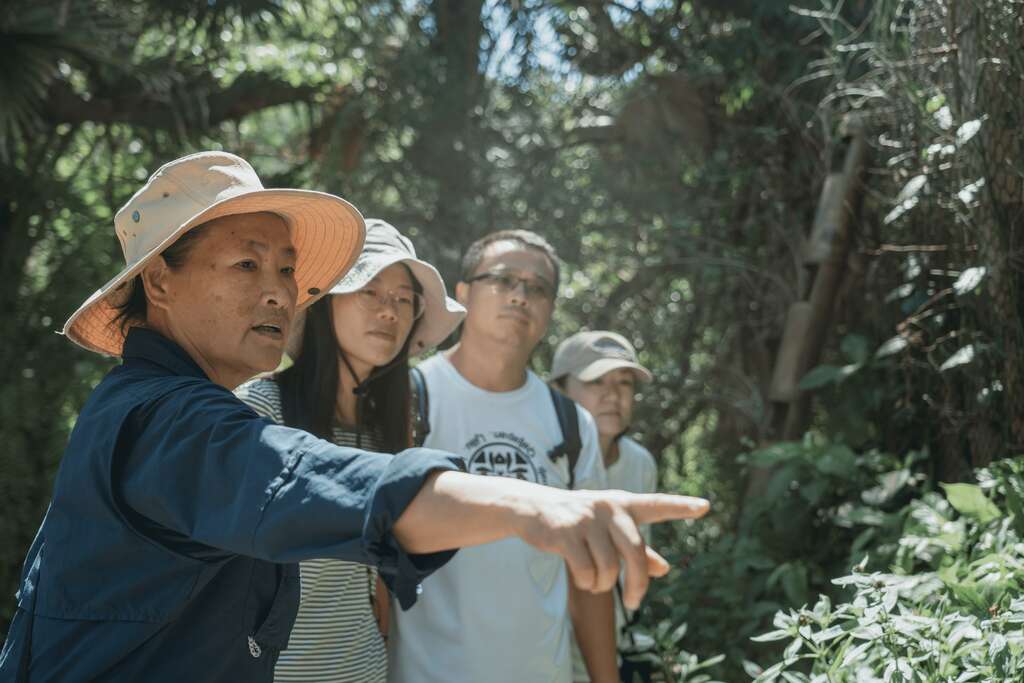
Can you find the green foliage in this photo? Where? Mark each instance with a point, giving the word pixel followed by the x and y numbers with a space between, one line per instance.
pixel 955 614
pixel 946 189
pixel 825 506
pixel 665 652
pixel 673 153
pixel 622 135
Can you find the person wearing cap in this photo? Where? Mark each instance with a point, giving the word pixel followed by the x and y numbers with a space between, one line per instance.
pixel 599 370
pixel 169 548
pixel 503 611
pixel 348 383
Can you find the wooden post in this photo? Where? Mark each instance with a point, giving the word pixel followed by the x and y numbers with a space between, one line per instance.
pixel 808 321
pixel 838 205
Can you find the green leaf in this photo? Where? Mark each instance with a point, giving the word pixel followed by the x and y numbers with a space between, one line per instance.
pixel 771 673
pixel 969 279
pixel 752 669
pixel 827 374
pixel 965 630
pixel 708 663
pixel 912 188
pixel 891 346
pixel 944 118
pixel 996 644
pixel 907 198
pixel 963 356
pixel 838 460
pixel 1015 502
pixel 934 103
pixel 828 634
pixel 776 453
pixel 820 376
pixel 890 596
pixel 968 192
pixel 901 292
pixel 814 491
pixel 856 654
pixel 970 501
pixel 794 677
pixel 855 347
pixel 889 484
pixel 795 585
pixel 967 131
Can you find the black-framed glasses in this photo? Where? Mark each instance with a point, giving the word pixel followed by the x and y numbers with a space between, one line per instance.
pixel 407 303
pixel 504 283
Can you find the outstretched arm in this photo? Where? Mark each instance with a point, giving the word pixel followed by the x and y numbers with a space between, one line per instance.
pixel 594 531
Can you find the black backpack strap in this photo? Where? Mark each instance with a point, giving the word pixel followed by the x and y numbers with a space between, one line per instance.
pixel 421 421
pixel 569 423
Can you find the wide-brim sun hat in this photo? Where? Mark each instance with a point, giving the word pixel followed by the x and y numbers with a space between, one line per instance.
pixel 384 247
pixel 589 355
pixel 326 231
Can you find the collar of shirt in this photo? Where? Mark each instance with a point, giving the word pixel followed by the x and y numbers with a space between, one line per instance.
pixel 147 345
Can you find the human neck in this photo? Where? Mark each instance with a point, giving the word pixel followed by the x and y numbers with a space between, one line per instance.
pixel 609 449
pixel 489 367
pixel 347 406
pixel 228 378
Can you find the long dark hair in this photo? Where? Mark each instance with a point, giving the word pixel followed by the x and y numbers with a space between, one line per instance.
pixel 309 388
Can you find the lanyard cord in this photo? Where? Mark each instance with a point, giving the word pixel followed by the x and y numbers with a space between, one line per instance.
pixel 361 389
pixel 360 393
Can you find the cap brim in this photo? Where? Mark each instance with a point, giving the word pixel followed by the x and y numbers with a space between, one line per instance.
pixel 606 365
pixel 326 231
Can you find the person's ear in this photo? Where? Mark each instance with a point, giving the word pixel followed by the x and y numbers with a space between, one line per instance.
pixel 462 292
pixel 156 279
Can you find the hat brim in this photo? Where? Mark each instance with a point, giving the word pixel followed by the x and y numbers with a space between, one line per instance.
pixel 441 314
pixel 605 365
pixel 326 231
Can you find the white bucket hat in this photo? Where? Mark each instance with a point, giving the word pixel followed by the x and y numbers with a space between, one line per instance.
pixel 385 246
pixel 589 355
pixel 327 233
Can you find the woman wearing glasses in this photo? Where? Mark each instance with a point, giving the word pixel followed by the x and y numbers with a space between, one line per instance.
pixel 349 384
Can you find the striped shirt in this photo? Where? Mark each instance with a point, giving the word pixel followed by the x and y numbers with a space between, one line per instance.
pixel 335 638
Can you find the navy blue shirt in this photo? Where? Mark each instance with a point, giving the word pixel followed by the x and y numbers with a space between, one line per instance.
pixel 168 552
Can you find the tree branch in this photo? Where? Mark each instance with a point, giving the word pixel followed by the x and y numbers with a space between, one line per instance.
pixel 133 105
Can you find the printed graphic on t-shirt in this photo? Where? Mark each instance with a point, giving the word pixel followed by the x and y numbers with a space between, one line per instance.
pixel 504 454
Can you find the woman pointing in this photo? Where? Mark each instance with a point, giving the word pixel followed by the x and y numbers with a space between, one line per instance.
pixel 178 515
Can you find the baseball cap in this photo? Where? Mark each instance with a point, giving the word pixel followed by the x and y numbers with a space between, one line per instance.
pixel 589 355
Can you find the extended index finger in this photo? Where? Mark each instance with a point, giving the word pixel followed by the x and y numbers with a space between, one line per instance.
pixel 630 544
pixel 648 508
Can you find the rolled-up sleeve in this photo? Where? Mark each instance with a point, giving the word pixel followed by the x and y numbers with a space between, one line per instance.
pixel 203 467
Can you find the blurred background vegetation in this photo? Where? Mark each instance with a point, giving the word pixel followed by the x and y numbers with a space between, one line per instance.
pixel 676 154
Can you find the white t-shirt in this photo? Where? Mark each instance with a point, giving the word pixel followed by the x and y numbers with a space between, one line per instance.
pixel 635 471
pixel 496 612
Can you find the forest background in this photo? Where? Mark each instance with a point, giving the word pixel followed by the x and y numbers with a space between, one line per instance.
pixel 839 371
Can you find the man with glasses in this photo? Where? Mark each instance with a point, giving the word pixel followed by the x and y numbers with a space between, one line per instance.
pixel 501 611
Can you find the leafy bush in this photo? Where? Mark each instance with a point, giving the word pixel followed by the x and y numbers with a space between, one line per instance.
pixel 824 503
pixel 950 610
